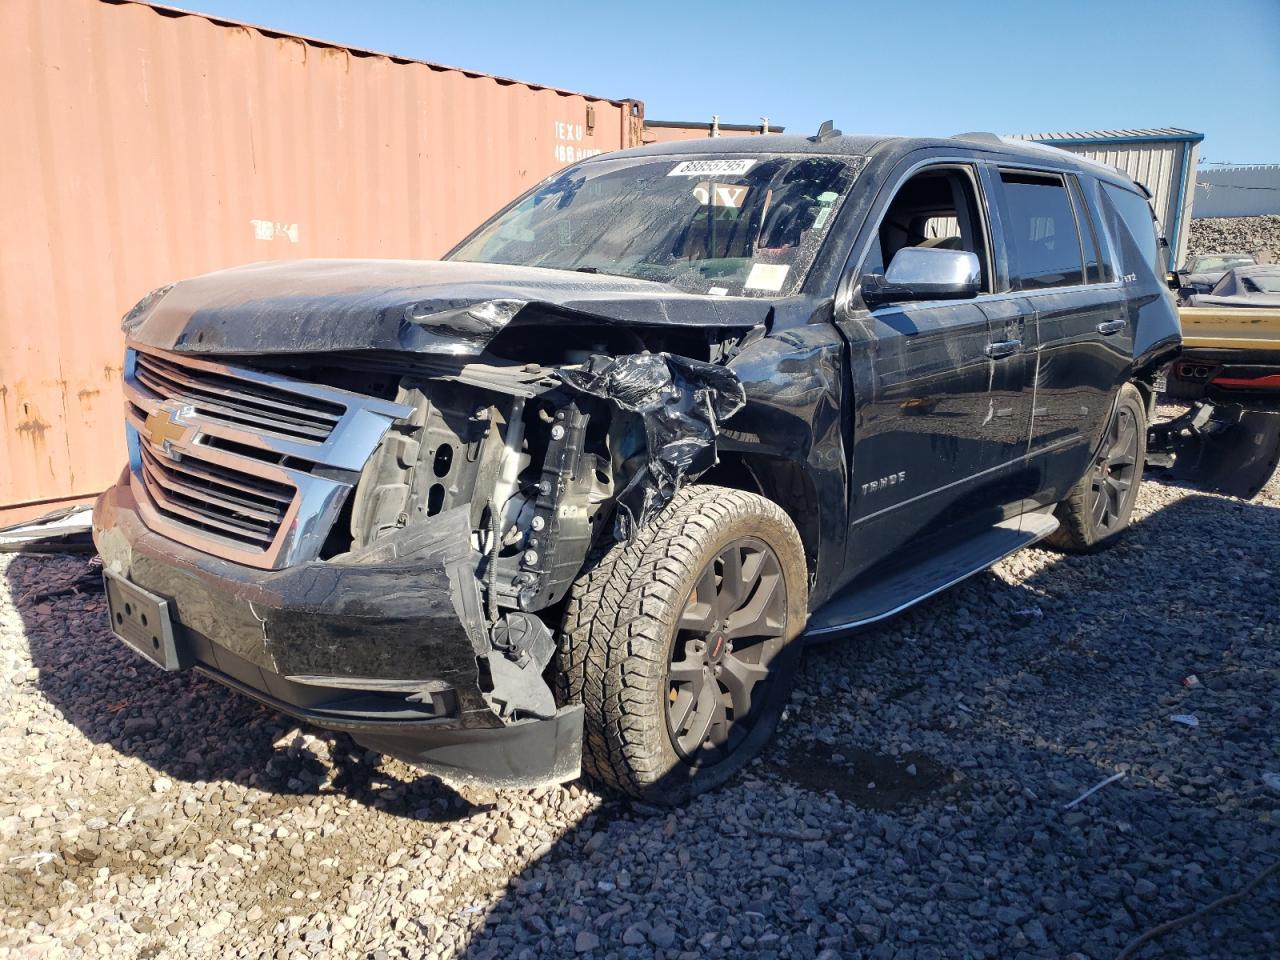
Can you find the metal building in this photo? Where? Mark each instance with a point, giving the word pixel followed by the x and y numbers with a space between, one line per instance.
pixel 1245 191
pixel 1161 159
pixel 146 144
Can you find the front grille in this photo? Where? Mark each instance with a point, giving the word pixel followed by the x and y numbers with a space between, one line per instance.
pixel 240 403
pixel 222 502
pixel 226 458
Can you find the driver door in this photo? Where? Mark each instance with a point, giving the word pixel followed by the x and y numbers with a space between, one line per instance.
pixel 922 376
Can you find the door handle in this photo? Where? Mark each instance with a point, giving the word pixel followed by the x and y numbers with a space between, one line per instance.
pixel 1108 327
pixel 1003 348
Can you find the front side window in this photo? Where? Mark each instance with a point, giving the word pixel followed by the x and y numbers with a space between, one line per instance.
pixel 1042 232
pixel 714 225
pixel 937 207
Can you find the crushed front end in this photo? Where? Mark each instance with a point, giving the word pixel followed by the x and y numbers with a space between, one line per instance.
pixel 381 542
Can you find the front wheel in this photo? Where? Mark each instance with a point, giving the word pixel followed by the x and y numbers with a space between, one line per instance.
pixel 1098 508
pixel 678 644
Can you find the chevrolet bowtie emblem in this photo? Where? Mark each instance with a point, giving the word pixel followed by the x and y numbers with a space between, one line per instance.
pixel 166 426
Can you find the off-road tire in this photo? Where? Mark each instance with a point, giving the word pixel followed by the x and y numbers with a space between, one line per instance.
pixel 1078 528
pixel 620 631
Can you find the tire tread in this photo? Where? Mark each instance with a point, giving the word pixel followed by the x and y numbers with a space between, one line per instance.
pixel 613 649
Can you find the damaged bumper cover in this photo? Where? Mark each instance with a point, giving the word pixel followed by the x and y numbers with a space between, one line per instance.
pixel 1223 448
pixel 388 652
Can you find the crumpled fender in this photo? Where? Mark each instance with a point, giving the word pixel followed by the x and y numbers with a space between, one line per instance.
pixel 681 403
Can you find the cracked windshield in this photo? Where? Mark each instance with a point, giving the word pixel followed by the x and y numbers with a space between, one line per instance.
pixel 720 226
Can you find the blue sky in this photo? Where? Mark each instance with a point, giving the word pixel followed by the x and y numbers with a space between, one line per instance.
pixel 894 66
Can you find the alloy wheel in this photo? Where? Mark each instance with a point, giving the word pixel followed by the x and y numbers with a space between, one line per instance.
pixel 732 626
pixel 1114 473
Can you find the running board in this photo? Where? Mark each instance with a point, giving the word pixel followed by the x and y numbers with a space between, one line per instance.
pixel 869 600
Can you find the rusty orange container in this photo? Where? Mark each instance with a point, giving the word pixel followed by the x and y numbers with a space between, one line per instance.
pixel 671 131
pixel 145 144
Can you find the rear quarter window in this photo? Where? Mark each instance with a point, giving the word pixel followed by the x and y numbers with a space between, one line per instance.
pixel 1132 227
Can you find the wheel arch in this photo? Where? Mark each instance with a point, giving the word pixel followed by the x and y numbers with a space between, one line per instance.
pixel 781 481
pixel 1146 387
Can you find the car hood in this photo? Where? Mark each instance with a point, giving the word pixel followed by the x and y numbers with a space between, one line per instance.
pixel 420 306
pixel 1205 279
pixel 1270 300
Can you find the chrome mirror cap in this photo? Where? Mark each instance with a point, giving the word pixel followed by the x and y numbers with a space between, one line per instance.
pixel 925 273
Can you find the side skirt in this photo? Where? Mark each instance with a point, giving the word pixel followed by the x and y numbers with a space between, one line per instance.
pixel 882 594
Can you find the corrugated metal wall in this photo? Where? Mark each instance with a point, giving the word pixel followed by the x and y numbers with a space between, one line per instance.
pixel 1159 167
pixel 1164 161
pixel 145 145
pixel 1252 191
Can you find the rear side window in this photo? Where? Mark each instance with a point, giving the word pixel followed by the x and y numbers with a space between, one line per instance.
pixel 1041 229
pixel 1097 269
pixel 1135 233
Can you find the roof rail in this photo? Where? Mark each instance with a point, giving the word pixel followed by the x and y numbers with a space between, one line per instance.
pixel 983 135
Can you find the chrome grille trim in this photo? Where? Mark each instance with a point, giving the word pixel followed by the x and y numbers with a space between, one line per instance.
pixel 252 407
pixel 234 472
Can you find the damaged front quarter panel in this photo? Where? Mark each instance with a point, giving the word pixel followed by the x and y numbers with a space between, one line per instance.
pixel 680 404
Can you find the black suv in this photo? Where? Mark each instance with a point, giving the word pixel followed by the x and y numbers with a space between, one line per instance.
pixel 575 495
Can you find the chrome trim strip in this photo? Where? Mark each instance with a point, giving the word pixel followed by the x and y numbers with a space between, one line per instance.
pixel 361 426
pixel 1020 459
pixel 315 500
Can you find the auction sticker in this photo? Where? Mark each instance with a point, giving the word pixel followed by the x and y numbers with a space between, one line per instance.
pixel 711 168
pixel 766 276
pixel 720 194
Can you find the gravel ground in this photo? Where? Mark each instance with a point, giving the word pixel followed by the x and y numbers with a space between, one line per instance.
pixel 1258 235
pixel 911 807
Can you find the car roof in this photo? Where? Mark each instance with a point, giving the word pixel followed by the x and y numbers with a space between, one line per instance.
pixel 1256 270
pixel 876 146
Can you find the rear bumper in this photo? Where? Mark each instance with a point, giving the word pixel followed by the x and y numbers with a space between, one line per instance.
pixel 385 652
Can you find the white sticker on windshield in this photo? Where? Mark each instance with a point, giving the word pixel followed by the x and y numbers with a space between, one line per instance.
pixel 766 276
pixel 719 194
pixel 711 168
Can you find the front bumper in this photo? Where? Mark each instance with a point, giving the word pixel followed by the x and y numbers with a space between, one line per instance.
pixel 386 652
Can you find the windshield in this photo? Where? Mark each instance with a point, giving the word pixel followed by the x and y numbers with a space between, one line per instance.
pixel 715 225
pixel 1218 264
pixel 1261 283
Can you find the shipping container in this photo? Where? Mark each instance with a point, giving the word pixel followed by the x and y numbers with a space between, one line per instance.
pixel 147 144
pixel 669 131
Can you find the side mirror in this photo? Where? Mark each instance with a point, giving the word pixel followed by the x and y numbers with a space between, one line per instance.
pixel 1177 280
pixel 925 273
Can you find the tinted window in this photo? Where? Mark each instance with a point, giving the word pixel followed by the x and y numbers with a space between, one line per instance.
pixel 1097 269
pixel 1136 232
pixel 1041 228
